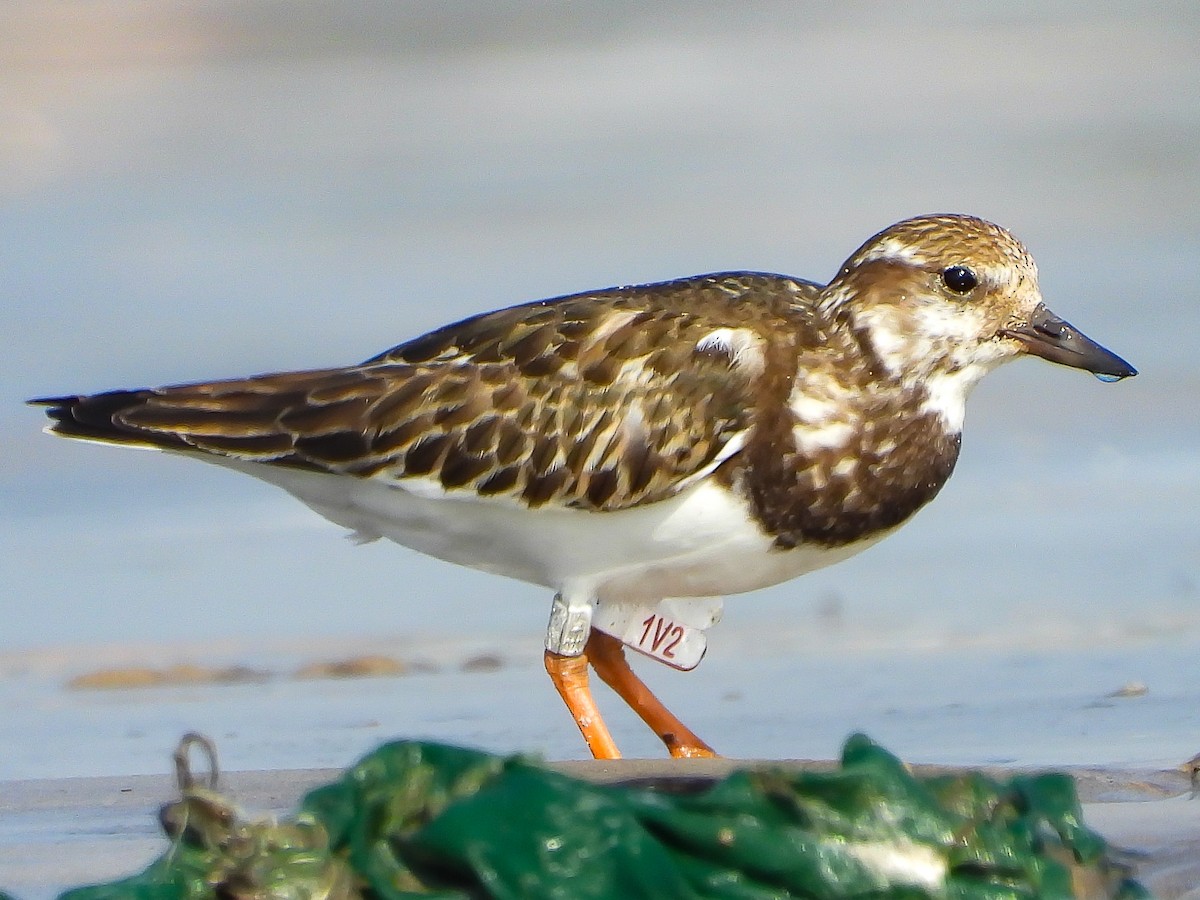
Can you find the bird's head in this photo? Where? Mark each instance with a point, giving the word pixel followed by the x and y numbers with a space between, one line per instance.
pixel 943 299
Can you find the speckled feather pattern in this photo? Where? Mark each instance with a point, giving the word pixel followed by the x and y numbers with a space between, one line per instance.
pixel 798 398
pixel 641 449
pixel 599 401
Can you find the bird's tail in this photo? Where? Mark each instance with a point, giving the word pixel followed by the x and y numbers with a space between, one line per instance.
pixel 98 417
pixel 315 419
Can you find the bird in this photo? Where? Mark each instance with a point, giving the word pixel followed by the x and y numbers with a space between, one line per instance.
pixel 635 446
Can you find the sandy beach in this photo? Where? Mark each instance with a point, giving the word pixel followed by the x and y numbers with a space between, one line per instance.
pixel 80 802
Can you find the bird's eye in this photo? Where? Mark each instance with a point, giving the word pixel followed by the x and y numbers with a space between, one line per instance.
pixel 960 279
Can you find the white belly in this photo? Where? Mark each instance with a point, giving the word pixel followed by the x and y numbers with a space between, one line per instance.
pixel 700 543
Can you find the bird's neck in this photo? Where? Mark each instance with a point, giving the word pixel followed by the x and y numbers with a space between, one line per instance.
pixel 925 351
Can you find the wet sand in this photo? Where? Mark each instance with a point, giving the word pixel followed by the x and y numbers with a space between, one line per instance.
pixel 78 800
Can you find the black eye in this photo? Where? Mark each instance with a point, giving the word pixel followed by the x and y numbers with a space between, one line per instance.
pixel 960 279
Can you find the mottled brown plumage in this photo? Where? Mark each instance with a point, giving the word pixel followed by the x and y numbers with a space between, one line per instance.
pixel 529 402
pixel 533 403
pixel 703 436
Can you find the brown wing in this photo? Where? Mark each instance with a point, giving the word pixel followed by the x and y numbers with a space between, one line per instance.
pixel 600 401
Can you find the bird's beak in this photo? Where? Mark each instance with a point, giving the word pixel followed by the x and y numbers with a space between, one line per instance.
pixel 1046 335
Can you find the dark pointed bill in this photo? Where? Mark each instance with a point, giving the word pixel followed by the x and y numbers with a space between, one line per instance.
pixel 1048 336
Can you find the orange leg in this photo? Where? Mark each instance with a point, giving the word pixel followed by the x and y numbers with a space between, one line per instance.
pixel 570 676
pixel 608 659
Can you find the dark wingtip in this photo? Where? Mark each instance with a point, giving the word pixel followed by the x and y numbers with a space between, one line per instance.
pixel 57 408
pixel 89 416
pixel 57 405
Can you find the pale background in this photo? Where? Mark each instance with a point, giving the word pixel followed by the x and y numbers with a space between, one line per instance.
pixel 209 189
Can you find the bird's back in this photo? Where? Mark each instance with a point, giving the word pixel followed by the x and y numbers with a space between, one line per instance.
pixel 604 400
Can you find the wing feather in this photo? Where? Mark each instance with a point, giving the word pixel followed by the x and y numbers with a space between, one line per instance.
pixel 599 401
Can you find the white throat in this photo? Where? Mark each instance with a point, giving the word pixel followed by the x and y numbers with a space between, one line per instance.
pixel 936 347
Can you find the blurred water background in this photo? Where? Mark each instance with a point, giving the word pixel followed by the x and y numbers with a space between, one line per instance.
pixel 205 189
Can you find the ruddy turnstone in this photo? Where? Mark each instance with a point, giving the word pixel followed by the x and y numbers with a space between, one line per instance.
pixel 657 444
